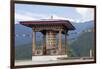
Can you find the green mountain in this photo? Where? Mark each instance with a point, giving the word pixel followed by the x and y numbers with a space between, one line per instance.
pixel 82 46
pixel 23 52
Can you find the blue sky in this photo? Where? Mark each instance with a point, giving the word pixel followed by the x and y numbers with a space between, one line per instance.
pixel 24 12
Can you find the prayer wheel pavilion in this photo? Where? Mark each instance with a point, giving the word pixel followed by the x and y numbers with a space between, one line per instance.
pixel 49 29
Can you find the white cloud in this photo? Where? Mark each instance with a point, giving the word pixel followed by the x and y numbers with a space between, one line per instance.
pixel 60 17
pixel 57 17
pixel 26 16
pixel 82 11
pixel 87 14
pixel 36 15
pixel 29 16
pixel 21 17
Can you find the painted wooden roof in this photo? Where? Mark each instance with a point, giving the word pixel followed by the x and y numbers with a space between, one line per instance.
pixel 65 23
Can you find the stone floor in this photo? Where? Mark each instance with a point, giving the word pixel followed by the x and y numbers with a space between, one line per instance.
pixel 30 62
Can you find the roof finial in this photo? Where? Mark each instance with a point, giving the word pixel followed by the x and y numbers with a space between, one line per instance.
pixel 52 17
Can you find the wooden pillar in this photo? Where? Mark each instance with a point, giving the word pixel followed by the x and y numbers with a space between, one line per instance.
pixel 34 42
pixel 60 41
pixel 44 43
pixel 65 42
